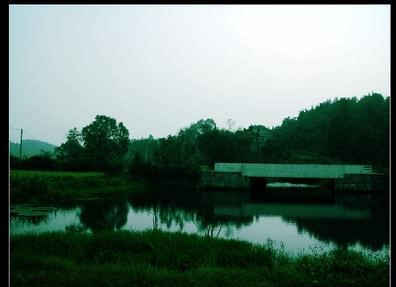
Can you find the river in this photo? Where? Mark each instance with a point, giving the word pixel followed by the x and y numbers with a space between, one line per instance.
pixel 297 220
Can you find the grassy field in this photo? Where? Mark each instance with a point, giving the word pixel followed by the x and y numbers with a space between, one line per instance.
pixel 58 187
pixel 154 258
pixel 32 173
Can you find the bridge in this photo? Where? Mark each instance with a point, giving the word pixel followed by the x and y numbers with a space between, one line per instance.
pixel 256 175
pixel 319 171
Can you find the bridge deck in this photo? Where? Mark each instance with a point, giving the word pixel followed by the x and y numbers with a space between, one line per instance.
pixel 293 170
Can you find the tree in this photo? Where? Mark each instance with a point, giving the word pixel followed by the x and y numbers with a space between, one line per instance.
pixel 71 153
pixel 146 147
pixel 187 137
pixel 181 150
pixel 218 146
pixel 258 131
pixel 105 142
pixel 203 126
pixel 345 130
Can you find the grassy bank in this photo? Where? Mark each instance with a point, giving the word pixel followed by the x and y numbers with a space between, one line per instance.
pixel 156 258
pixel 59 187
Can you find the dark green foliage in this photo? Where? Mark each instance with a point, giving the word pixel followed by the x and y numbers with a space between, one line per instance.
pixel 202 143
pixel 154 258
pixel 39 162
pixel 261 134
pixel 170 151
pixel 341 131
pixel 24 188
pixel 224 146
pixel 99 146
pixel 170 157
pixel 157 172
pixel 143 148
pixel 339 267
pixel 105 142
pixel 62 187
pixel 182 150
pixel 344 131
pixel 70 154
pixel 176 251
pixel 144 170
pixel 14 162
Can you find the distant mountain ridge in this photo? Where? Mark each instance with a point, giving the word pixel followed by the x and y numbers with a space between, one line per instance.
pixel 31 148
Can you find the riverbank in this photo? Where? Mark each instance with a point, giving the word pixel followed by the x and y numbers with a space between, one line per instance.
pixel 155 258
pixel 63 187
pixel 56 187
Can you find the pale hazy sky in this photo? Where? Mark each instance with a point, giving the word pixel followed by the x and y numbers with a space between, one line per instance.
pixel 160 68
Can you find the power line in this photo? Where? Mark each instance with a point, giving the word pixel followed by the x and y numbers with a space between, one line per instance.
pixel 29 134
pixel 25 132
pixel 14 131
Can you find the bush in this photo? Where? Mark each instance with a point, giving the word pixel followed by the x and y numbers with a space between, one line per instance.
pixel 14 162
pixel 144 170
pixel 39 162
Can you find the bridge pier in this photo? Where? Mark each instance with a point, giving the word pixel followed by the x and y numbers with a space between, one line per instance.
pixel 362 183
pixel 223 180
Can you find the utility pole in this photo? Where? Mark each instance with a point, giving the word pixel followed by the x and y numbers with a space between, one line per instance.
pixel 20 146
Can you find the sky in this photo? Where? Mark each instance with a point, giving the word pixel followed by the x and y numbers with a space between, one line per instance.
pixel 159 68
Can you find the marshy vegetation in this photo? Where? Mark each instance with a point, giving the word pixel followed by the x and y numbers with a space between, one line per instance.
pixel 63 187
pixel 155 258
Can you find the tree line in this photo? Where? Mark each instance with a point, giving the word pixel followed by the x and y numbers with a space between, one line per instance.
pixel 100 146
pixel 339 131
pixel 345 130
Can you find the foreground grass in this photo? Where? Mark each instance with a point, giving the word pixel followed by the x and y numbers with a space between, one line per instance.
pixel 154 258
pixel 55 187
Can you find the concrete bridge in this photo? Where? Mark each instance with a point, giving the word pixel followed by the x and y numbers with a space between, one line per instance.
pixel 325 171
pixel 256 175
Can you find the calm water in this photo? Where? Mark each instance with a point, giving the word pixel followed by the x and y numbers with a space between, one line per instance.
pixel 298 220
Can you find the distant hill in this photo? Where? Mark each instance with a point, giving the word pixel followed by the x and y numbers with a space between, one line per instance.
pixel 31 148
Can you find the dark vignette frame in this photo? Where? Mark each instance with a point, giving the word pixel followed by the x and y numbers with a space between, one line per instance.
pixel 4 18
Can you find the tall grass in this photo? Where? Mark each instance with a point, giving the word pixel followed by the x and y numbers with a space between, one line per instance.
pixel 58 187
pixel 34 173
pixel 155 258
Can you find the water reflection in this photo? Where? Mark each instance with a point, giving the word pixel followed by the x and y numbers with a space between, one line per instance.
pixel 34 220
pixel 297 217
pixel 104 214
pixel 332 218
pixel 56 220
pixel 198 207
pixel 370 229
